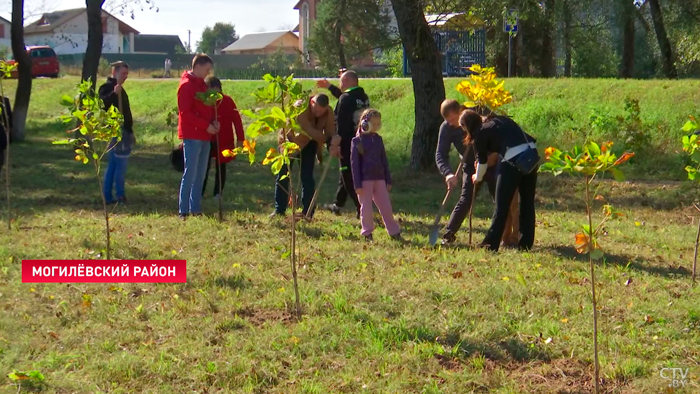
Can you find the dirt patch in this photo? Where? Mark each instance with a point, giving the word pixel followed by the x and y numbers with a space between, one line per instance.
pixel 560 376
pixel 259 317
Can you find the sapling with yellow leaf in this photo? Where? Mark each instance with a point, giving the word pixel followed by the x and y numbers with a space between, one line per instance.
pixel 484 91
pixel 212 98
pixel 283 100
pixel 6 70
pixel 691 145
pixel 591 161
pixel 96 129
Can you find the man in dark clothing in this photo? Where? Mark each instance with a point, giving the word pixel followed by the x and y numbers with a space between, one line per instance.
pixel 112 93
pixel 352 100
pixel 6 119
pixel 451 134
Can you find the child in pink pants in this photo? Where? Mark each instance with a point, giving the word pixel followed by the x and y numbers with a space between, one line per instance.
pixel 370 174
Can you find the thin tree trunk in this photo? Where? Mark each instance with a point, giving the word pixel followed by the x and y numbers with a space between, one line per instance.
pixel 669 67
pixel 6 124
pixel 426 73
pixel 548 65
pixel 24 70
pixel 106 212
pixel 93 51
pixel 627 69
pixel 567 39
pixel 294 245
pixel 595 304
pixel 697 242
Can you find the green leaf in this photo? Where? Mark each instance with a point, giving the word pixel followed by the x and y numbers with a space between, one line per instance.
pixel 596 254
pixel 690 126
pixel 248 113
pixel 617 175
pixel 686 140
pixel 67 101
pixel 586 229
pixel 278 114
pixel 593 149
pixel 520 279
pixel 276 166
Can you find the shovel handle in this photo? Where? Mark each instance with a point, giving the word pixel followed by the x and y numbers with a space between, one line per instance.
pixel 318 188
pixel 447 196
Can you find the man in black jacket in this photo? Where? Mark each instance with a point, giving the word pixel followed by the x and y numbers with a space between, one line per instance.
pixel 6 118
pixel 352 100
pixel 112 93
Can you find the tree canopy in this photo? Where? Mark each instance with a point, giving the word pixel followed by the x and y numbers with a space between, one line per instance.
pixel 217 37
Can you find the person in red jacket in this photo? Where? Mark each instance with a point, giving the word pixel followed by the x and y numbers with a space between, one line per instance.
pixel 228 118
pixel 196 125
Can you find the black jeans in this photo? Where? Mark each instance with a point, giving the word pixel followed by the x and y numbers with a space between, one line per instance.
pixel 509 178
pixel 461 210
pixel 220 168
pixel 346 187
pixel 307 158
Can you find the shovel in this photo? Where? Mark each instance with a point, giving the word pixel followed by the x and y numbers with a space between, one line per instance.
pixel 318 188
pixel 435 230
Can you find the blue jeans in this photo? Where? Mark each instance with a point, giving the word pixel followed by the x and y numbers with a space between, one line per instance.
pixel 307 157
pixel 196 157
pixel 115 174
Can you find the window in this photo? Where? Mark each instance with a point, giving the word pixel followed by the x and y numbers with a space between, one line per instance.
pixel 305 25
pixel 47 53
pixel 2 31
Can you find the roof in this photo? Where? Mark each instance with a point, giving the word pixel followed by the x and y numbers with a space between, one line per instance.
pixel 457 19
pixel 5 20
pixel 51 20
pixel 298 6
pixel 157 43
pixel 256 40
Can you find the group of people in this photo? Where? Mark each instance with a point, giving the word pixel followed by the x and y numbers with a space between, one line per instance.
pixel 493 149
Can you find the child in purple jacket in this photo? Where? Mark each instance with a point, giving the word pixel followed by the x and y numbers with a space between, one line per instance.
pixel 370 174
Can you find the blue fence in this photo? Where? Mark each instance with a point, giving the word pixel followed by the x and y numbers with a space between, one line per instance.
pixel 459 50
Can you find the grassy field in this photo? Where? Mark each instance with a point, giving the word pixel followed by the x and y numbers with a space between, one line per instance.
pixel 380 318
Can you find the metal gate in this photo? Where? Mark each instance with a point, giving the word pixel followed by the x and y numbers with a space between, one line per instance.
pixel 459 50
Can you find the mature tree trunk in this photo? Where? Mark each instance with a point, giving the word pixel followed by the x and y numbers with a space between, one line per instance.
pixel 548 66
pixel 567 38
pixel 93 52
pixel 426 73
pixel 669 67
pixel 342 61
pixel 24 70
pixel 627 69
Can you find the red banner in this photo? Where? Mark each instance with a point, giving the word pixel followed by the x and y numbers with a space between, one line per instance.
pixel 104 271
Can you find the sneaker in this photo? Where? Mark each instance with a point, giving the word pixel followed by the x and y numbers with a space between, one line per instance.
pixel 448 239
pixel 397 237
pixel 333 208
pixel 121 199
pixel 276 214
pixel 368 238
pixel 198 214
pixel 183 216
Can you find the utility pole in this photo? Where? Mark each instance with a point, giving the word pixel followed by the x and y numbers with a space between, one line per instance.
pixel 189 40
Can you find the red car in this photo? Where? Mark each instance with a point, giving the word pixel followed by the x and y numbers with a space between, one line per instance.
pixel 44 62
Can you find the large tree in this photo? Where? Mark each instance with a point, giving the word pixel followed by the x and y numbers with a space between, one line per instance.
pixel 216 37
pixel 24 70
pixel 349 29
pixel 426 73
pixel 669 66
pixel 93 52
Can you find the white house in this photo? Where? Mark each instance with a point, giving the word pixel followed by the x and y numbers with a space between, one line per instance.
pixel 5 33
pixel 67 32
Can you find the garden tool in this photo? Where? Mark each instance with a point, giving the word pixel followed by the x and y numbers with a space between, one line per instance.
pixel 309 213
pixel 435 230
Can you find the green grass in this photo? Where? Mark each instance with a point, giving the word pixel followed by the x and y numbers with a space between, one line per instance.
pixel 383 318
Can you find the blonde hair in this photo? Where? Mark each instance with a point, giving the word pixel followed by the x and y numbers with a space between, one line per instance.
pixel 367 115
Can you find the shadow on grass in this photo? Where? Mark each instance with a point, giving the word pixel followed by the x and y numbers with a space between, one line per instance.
pixel 627 261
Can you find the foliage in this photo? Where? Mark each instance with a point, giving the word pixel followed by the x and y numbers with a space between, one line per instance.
pixel 278 61
pixel 97 128
pixel 351 28
pixel 591 160
pixel 210 98
pixel 217 37
pixel 691 145
pixel 484 90
pixel 393 59
pixel 28 380
pixel 630 127
pixel 6 70
pixel 285 99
